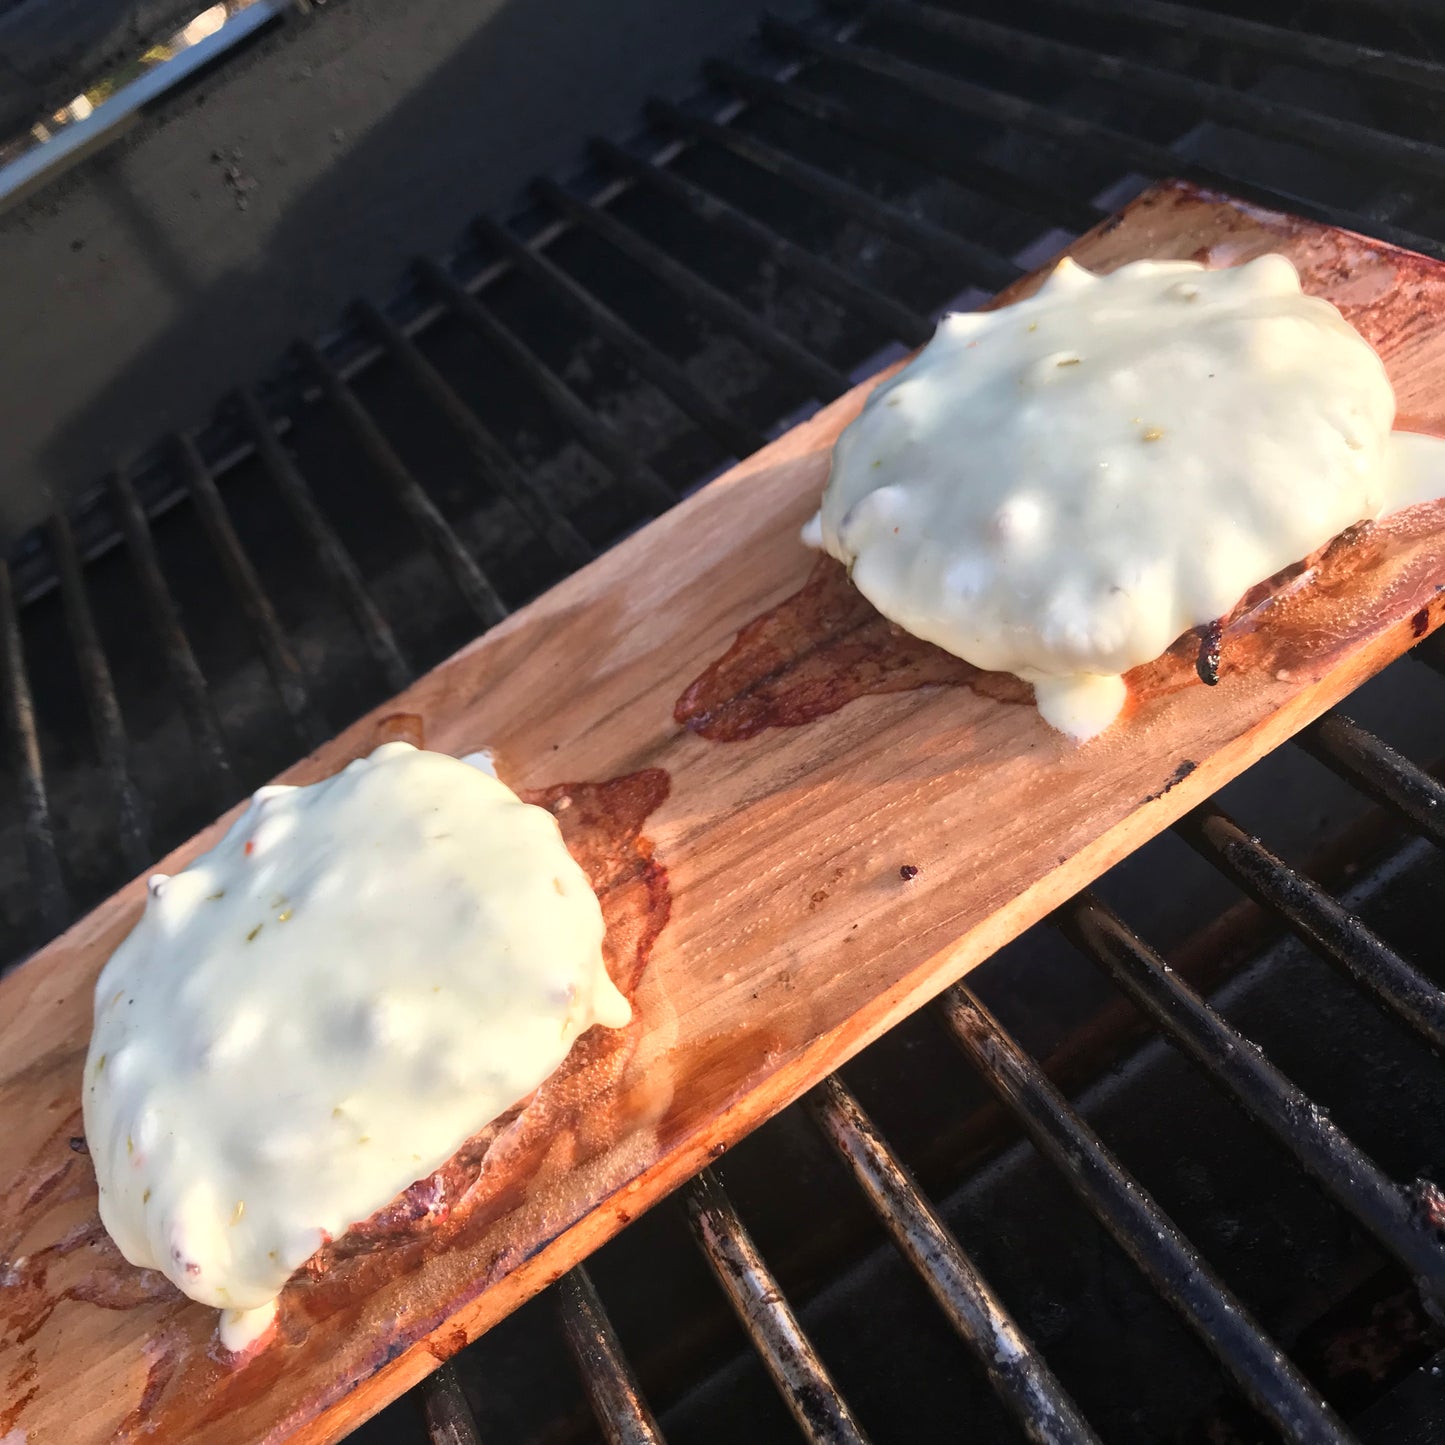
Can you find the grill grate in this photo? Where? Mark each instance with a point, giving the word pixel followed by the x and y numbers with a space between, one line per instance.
pixel 1143 1230
pixel 810 1395
pixel 613 1391
pixel 525 401
pixel 1014 1367
pixel 1409 1223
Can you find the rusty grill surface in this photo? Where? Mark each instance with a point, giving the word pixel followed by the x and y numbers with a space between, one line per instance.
pixel 246 588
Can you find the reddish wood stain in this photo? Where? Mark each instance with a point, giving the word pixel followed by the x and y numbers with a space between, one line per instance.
pixel 82 1265
pixel 815 652
pixel 12 1412
pixel 400 727
pixel 165 1359
pixel 446 1343
pixel 825 645
pixel 1299 621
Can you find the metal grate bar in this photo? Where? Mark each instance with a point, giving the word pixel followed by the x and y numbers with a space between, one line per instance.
pixel 468 578
pixel 597 435
pixel 265 626
pixel 492 460
pixel 106 720
pixel 1118 147
pixel 974 175
pixel 186 674
pixel 1017 1372
pixel 664 373
pixel 1236 109
pixel 1273 41
pixel 821 380
pixel 822 275
pixel 804 1383
pixel 1323 923
pixel 52 897
pixel 336 562
pixel 1240 1068
pixel 1145 1233
pixel 611 1387
pixel 979 264
pixel 1375 768
pixel 1001 107
pixel 449 1419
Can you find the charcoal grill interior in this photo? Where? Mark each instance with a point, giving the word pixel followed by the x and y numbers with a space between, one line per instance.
pixel 1141 1227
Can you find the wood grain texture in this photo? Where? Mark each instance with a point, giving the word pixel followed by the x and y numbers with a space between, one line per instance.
pixel 793 940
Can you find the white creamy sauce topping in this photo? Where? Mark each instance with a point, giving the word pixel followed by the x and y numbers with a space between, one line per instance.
pixel 1062 487
pixel 321 1010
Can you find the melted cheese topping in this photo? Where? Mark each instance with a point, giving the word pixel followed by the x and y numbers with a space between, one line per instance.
pixel 322 1009
pixel 1062 487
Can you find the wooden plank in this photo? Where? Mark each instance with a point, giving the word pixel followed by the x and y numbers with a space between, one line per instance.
pixel 792 940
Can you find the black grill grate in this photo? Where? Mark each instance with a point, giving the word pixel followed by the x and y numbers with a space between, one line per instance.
pixel 521 404
pixel 1408 1222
